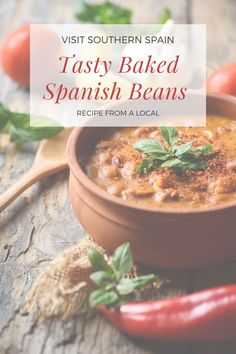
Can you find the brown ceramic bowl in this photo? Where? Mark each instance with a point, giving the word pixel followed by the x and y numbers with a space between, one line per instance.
pixel 159 237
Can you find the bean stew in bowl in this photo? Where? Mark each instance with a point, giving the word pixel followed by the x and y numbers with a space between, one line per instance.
pixel 170 192
pixel 167 167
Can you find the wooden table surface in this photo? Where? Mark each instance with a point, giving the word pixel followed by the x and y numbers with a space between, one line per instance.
pixel 40 224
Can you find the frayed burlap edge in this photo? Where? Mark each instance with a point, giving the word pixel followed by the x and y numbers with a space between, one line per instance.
pixel 62 289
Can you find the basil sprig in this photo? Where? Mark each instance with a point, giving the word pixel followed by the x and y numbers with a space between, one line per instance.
pixel 165 16
pixel 18 126
pixel 104 13
pixel 177 156
pixel 112 279
pixel 109 13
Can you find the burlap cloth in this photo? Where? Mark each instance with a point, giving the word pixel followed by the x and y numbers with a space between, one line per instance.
pixel 62 289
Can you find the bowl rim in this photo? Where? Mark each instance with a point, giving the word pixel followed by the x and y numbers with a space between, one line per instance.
pixel 78 172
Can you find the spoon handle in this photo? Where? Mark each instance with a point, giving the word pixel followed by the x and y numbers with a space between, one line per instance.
pixel 32 176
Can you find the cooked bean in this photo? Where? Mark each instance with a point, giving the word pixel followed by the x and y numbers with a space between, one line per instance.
pixel 222 130
pixel 116 188
pixel 108 144
pixel 104 157
pixel 117 161
pixel 160 182
pixel 223 185
pixel 167 194
pixel 141 131
pixel 155 134
pixel 231 165
pixel 140 191
pixel 108 171
pixel 129 168
pixel 208 133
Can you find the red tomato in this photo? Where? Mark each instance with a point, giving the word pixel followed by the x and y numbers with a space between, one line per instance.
pixel 15 55
pixel 223 80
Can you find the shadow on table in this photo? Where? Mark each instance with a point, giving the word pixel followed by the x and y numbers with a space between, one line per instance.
pixel 186 348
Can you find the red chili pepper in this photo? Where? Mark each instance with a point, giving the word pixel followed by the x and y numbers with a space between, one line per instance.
pixel 208 315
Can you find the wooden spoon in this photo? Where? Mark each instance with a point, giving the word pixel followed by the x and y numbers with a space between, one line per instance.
pixel 50 158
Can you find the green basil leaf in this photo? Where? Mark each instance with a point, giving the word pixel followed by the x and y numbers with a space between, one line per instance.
pixel 150 146
pixel 3 122
pixel 21 131
pixel 108 286
pixel 193 165
pixel 165 16
pixel 18 125
pixel 104 13
pixel 122 260
pixel 22 121
pixel 102 297
pixel 98 262
pixel 4 116
pixel 142 281
pixel 20 136
pixel 182 149
pixel 101 278
pixel 120 301
pixel 127 286
pixel 203 150
pixel 171 163
pixel 169 134
pixel 189 162
pixel 146 165
pixel 161 156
